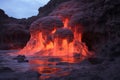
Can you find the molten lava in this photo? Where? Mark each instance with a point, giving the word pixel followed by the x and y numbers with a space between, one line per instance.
pixel 58 42
pixel 65 22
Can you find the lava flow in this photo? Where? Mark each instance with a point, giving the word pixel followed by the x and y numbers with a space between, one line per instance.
pixel 51 36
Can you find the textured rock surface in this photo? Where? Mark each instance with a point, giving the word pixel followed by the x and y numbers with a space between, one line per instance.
pixel 2 14
pixel 64 34
pixel 13 36
pixel 13 33
pixel 104 71
pixel 50 7
pixel 29 75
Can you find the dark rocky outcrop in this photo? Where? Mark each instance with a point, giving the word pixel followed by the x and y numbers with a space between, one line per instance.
pixel 5 69
pixel 47 9
pixel 2 14
pixel 28 75
pixel 13 32
pixel 13 36
pixel 21 58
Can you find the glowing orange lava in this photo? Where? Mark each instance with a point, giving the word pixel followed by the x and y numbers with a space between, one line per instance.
pixel 65 22
pixel 57 46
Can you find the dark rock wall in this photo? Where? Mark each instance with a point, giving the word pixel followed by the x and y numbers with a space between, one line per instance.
pixel 13 32
pixel 45 10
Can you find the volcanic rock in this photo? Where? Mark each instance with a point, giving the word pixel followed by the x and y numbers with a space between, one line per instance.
pixel 30 75
pixel 54 59
pixel 94 60
pixel 10 29
pixel 5 69
pixel 20 58
pixel 45 10
pixel 13 36
pixel 2 14
pixel 77 55
pixel 64 34
pixel 46 24
pixel 62 63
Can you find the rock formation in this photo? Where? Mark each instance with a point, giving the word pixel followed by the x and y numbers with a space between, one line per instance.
pixel 100 21
pixel 13 34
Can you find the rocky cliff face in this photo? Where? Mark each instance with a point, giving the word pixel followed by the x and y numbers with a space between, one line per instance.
pixel 2 14
pixel 13 33
pixel 47 9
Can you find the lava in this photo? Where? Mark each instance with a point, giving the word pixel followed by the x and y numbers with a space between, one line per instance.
pixel 50 36
pixel 66 21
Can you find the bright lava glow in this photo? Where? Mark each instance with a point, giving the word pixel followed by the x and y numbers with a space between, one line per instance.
pixel 58 47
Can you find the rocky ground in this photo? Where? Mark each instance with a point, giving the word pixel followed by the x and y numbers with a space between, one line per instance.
pixel 16 68
pixel 107 70
pixel 12 70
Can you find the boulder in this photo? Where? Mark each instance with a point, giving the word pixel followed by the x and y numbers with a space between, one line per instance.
pixel 20 58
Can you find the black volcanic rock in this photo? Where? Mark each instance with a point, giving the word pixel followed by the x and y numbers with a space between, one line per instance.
pixel 46 24
pixel 13 36
pixel 5 19
pixel 13 32
pixel 64 34
pixel 5 69
pixel 20 58
pixel 52 4
pixel 2 14
pixel 95 60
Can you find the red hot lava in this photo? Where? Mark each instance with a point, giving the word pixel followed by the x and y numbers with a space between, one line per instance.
pixel 50 36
